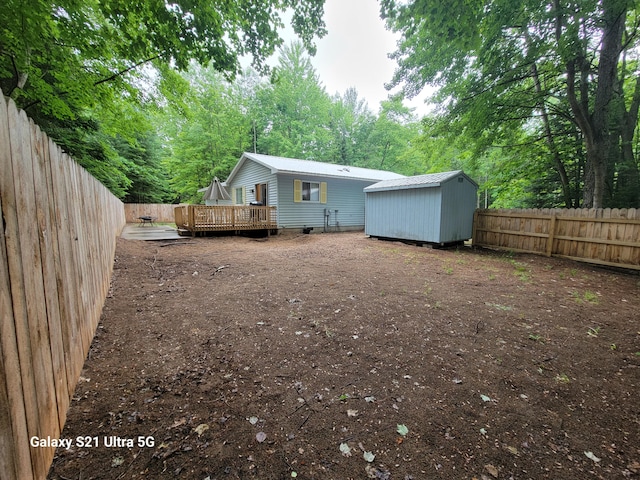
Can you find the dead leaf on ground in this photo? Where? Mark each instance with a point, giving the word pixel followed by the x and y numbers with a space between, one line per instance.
pixel 492 470
pixel 200 429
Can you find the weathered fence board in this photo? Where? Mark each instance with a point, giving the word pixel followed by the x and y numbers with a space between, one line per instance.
pixel 18 287
pixel 56 257
pixel 602 236
pixel 159 211
pixel 14 462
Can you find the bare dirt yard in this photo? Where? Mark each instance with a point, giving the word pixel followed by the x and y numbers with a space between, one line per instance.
pixel 337 356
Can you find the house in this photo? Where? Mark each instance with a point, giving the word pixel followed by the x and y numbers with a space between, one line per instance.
pixel 435 208
pixel 306 194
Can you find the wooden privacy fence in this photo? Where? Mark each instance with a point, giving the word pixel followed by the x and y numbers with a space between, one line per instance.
pixel 56 256
pixel 602 236
pixel 159 211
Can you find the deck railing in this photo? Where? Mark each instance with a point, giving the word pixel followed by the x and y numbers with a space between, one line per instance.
pixel 205 218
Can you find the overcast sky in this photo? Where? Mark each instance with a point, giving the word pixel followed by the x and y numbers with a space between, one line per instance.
pixel 354 53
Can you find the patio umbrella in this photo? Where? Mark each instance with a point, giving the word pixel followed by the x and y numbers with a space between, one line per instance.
pixel 215 191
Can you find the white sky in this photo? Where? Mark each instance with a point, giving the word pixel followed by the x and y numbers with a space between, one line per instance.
pixel 354 53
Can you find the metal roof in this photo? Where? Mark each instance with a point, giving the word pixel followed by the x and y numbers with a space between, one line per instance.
pixel 418 181
pixel 309 167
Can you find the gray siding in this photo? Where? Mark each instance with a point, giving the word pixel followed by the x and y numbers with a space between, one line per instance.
pixel 346 196
pixel 411 214
pixel 251 174
pixel 459 201
pixel 437 214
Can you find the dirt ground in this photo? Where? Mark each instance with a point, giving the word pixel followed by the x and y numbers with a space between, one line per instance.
pixel 337 356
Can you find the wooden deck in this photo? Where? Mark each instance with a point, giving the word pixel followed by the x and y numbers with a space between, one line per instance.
pixel 191 219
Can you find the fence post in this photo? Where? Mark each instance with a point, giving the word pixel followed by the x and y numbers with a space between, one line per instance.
pixel 474 228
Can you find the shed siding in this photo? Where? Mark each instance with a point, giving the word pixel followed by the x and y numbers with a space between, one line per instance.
pixel 438 212
pixel 346 196
pixel 411 214
pixel 458 204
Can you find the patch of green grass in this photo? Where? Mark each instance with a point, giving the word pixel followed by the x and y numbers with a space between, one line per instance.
pixel 498 306
pixel 587 296
pixel 590 297
pixel 521 270
pixel 536 338
pixel 572 273
pixel 520 267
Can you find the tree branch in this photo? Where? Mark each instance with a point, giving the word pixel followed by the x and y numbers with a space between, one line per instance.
pixel 128 69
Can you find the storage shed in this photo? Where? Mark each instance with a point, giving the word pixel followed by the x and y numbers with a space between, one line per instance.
pixel 434 208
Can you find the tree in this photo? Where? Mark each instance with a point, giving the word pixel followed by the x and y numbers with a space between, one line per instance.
pixel 208 132
pixel 504 66
pixel 88 71
pixel 350 123
pixel 292 111
pixel 391 138
pixel 69 54
pixel 143 167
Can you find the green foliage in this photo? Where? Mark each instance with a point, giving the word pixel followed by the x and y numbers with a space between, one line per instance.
pixel 292 111
pixel 86 70
pixel 91 148
pixel 68 54
pixel 149 183
pixel 211 121
pixel 208 134
pixel 351 123
pixel 391 138
pixel 556 88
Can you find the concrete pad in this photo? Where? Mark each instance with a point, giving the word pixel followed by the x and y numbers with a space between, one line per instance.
pixel 137 231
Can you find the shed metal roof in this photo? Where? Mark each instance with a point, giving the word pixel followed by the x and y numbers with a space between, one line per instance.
pixel 310 167
pixel 417 181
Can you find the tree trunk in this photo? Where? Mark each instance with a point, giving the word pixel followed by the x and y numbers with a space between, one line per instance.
pixel 595 126
pixel 628 182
